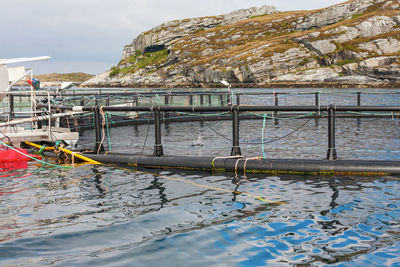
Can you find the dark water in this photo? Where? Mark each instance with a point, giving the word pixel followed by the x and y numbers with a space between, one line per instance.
pixel 97 215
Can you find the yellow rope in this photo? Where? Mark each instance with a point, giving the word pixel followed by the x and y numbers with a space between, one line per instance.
pixel 77 155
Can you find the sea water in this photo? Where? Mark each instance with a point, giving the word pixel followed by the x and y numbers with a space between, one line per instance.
pixel 102 215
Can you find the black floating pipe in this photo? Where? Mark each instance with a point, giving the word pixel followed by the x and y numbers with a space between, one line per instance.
pixel 235 132
pixel 158 149
pixel 331 154
pixel 98 146
pixel 297 166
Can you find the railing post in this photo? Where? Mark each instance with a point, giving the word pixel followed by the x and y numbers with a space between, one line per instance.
pixel 331 154
pixel 98 147
pixel 209 100
pixel 238 99
pixel 235 132
pixel 276 103
pixel 191 100
pixel 166 103
pixel 317 102
pixel 158 149
pixel 11 105
pixel 358 98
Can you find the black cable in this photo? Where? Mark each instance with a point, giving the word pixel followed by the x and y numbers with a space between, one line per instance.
pixel 259 143
pixel 279 138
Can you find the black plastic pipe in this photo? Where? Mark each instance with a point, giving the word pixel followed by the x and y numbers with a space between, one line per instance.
pixel 229 108
pixel 296 166
pixel 158 149
pixel 235 133
pixel 11 105
pixel 331 154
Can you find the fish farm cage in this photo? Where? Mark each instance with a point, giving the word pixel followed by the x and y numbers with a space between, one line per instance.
pixel 101 109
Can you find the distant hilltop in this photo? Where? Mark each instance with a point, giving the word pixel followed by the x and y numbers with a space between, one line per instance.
pixel 64 77
pixel 356 43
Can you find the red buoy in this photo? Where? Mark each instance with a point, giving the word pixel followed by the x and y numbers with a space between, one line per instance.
pixel 10 155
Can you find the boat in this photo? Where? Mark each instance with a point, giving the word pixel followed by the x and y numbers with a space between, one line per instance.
pixel 16 131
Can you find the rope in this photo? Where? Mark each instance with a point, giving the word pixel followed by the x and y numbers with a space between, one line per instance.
pixel 103 123
pixel 147 134
pixel 230 157
pixel 244 165
pixel 262 136
pixel 108 133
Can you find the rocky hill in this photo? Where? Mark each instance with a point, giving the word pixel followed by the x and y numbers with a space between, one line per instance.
pixel 356 43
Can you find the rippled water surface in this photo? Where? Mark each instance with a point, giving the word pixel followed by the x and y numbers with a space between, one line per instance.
pixel 98 215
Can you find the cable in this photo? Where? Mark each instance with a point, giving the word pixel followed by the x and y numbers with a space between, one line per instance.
pixel 147 134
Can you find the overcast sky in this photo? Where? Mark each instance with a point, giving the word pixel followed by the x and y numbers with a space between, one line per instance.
pixel 89 35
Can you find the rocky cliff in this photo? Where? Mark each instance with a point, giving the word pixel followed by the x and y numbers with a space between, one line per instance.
pixel 356 43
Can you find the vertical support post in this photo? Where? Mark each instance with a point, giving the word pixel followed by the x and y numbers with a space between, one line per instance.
pixel 209 100
pixel 276 99
pixel 166 102
pixel 158 149
pixel 358 98
pixel 235 132
pixel 81 119
pixel 11 105
pixel 201 99
pixel 108 101
pixel 276 103
pixel 221 99
pixel 317 103
pixel 238 99
pixel 97 127
pixel 191 100
pixel 331 154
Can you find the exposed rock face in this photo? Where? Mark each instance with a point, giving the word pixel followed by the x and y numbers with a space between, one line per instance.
pixel 382 46
pixel 334 14
pixel 355 43
pixel 166 33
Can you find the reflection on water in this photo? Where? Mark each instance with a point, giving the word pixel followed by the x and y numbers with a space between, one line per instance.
pixel 100 215
pixel 110 216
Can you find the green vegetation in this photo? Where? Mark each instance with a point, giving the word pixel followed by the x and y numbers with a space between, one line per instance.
pixel 346 61
pixel 114 71
pixel 138 61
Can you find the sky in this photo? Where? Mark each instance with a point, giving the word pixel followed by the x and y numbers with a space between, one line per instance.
pixel 89 35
